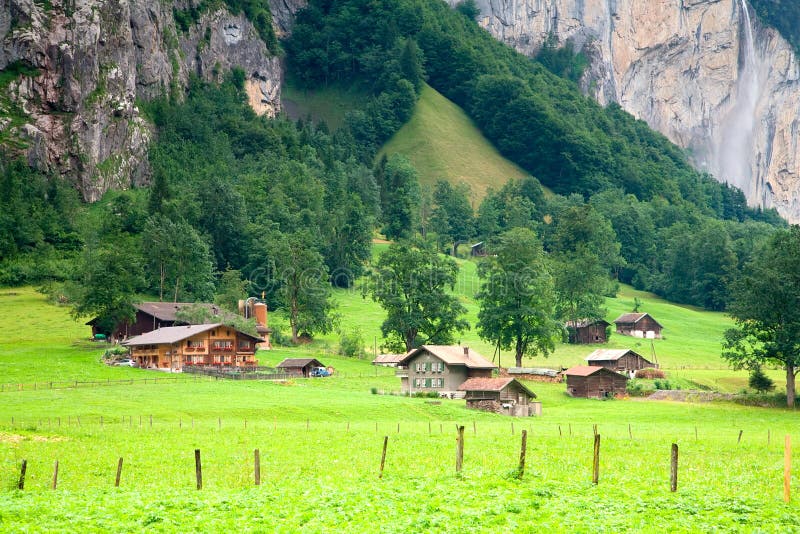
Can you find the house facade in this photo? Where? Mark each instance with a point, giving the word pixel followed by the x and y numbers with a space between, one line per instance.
pixel 587 331
pixel 441 369
pixel 638 325
pixel 505 396
pixel 176 347
pixel 594 382
pixel 619 360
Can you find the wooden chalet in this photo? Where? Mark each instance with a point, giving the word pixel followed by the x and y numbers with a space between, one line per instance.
pixel 587 331
pixel 620 360
pixel 500 395
pixel 638 325
pixel 175 347
pixel 594 382
pixel 441 368
pixel 387 360
pixel 152 316
pixel 300 367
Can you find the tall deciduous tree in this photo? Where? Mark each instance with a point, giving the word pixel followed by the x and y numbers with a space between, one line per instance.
pixel 400 196
pixel 517 296
pixel 765 303
pixel 411 282
pixel 452 217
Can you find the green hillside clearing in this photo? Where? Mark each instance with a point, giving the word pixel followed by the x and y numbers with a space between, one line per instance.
pixel 442 142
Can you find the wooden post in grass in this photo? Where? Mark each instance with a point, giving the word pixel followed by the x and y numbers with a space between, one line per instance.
pixel 570 429
pixel 398 428
pixel 596 460
pixel 630 433
pixel 440 428
pixel 695 433
pixel 151 420
pixel 522 450
pixel 101 421
pixel 383 455
pixel 474 428
pixel 429 428
pixel 198 469
pixel 24 468
pixel 740 437
pixel 308 423
pixel 673 469
pixel 512 428
pixel 787 468
pixel 559 431
pixel 119 473
pixel 348 426
pixel 768 437
pixel 257 466
pixel 219 423
pixel 55 475
pixel 460 449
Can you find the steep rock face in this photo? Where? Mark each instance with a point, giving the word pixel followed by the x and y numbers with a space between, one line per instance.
pixel 94 59
pixel 700 71
pixel 283 12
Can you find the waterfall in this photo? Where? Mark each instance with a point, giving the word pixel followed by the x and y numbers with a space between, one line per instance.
pixel 735 151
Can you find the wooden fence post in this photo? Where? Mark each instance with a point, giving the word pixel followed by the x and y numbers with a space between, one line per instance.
pixel 460 449
pixel 559 431
pixel 257 466
pixel 522 450
pixel 740 437
pixel 474 428
pixel 787 468
pixel 198 469
pixel 630 433
pixel 596 460
pixel 398 428
pixel 55 475
pixel 673 469
pixel 383 455
pixel 119 473
pixel 512 428
pixel 21 484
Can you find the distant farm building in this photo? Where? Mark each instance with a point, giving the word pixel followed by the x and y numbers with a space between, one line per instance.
pixel 620 360
pixel 594 382
pixel 300 367
pixel 638 325
pixel 387 360
pixel 174 347
pixel 587 331
pixel 441 369
pixel 500 395
pixel 477 250
pixel 152 316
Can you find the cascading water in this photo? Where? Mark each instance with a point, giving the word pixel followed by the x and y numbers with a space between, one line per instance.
pixel 734 154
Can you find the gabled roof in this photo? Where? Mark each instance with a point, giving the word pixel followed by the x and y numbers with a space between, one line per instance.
pixel 583 323
pixel 388 358
pixel 299 362
pixel 166 311
pixel 452 355
pixel 634 318
pixel 602 355
pixel 589 370
pixel 173 334
pixel 492 384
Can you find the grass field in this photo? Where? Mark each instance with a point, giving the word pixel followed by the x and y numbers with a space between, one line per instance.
pixel 443 143
pixel 320 443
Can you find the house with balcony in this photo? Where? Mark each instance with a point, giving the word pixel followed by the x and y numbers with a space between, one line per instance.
pixel 441 369
pixel 175 347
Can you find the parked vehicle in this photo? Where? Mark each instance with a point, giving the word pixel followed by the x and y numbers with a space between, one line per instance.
pixel 126 362
pixel 320 371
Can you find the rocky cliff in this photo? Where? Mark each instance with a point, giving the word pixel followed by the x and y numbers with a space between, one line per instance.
pixel 85 63
pixel 703 72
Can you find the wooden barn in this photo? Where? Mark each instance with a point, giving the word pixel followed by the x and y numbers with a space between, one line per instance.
pixel 441 368
pixel 500 395
pixel 594 382
pixel 175 347
pixel 587 331
pixel 299 366
pixel 620 360
pixel 152 316
pixel 638 325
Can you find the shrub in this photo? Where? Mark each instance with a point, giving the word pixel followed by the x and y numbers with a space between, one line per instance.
pixel 351 343
pixel 650 373
pixel 373 390
pixel 635 388
pixel 760 382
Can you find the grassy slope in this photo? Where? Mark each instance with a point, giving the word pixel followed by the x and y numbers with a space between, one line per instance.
pixel 442 142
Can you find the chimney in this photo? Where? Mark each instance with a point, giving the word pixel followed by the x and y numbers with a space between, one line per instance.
pixel 466 352
pixel 260 311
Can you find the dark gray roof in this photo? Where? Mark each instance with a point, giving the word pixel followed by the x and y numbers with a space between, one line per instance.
pixel 166 311
pixel 634 318
pixel 452 355
pixel 299 362
pixel 173 334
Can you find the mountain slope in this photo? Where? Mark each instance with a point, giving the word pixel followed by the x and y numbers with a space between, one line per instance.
pixel 443 142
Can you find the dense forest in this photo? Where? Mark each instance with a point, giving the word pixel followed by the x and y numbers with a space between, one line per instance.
pixel 784 15
pixel 241 203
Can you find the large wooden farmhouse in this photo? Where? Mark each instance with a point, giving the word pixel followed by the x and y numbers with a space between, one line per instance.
pixel 620 360
pixel 638 325
pixel 500 395
pixel 587 331
pixel 152 316
pixel 594 382
pixel 175 347
pixel 441 368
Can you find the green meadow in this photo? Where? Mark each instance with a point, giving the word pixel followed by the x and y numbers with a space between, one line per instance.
pixel 320 444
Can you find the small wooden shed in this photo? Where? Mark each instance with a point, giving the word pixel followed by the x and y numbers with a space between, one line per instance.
pixel 299 366
pixel 638 325
pixel 499 395
pixel 587 331
pixel 594 382
pixel 620 360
